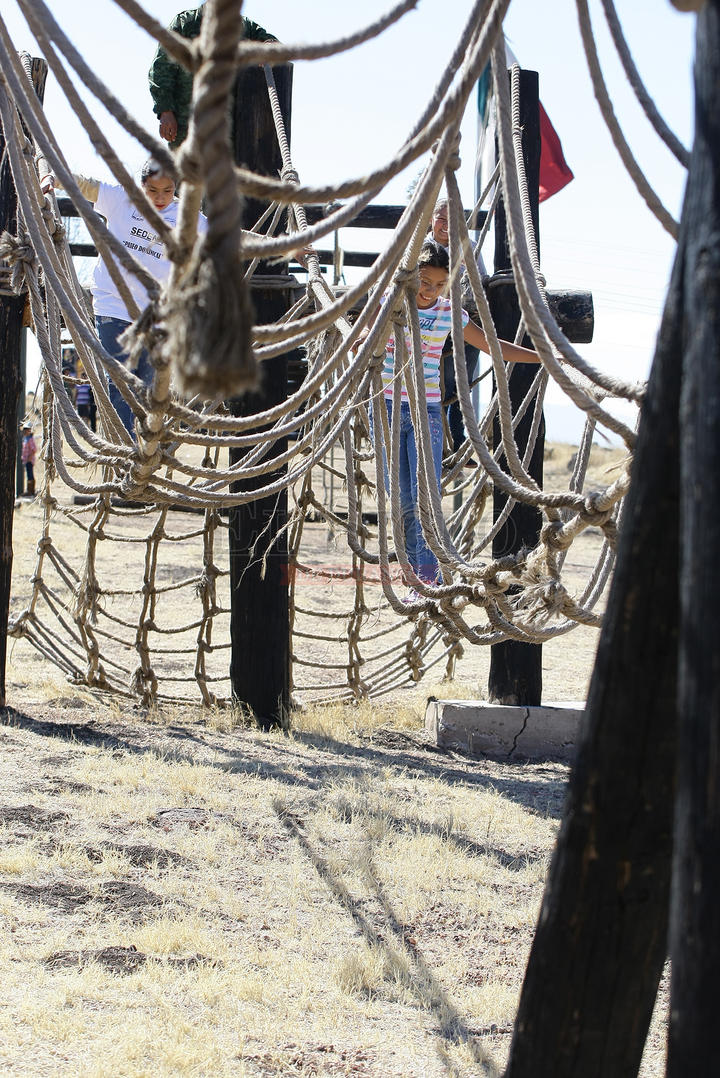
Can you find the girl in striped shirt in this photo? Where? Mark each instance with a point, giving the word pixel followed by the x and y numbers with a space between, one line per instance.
pixel 435 324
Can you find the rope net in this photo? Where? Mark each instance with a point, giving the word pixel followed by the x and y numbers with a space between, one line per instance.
pixel 124 517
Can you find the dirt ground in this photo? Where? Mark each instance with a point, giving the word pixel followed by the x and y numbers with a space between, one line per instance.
pixel 183 898
pixel 186 895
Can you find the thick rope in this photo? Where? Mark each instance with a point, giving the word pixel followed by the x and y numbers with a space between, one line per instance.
pixel 207 313
pixel 522 597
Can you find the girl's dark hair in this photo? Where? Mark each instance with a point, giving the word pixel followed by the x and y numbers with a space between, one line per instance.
pixel 154 168
pixel 432 254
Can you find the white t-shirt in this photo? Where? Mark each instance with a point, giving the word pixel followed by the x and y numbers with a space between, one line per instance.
pixel 130 227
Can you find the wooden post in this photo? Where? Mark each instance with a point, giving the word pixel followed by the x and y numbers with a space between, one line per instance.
pixel 695 931
pixel 260 619
pixel 11 331
pixel 652 725
pixel 516 668
pixel 601 937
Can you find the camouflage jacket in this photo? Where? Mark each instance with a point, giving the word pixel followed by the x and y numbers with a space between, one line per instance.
pixel 170 83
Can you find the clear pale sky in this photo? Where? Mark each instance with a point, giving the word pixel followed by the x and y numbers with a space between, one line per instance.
pixel 351 113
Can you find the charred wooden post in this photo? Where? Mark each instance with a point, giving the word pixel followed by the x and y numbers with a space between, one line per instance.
pixel 259 571
pixel 515 667
pixel 695 930
pixel 11 385
pixel 574 313
pixel 642 819
pixel 600 941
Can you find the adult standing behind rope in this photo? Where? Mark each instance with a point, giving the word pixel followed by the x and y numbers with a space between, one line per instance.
pixel 171 84
pixel 126 222
pixel 439 230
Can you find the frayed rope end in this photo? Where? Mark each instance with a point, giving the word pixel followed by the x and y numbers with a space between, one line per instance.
pixel 208 319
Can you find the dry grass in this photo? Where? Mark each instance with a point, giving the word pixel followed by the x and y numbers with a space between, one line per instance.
pixel 188 897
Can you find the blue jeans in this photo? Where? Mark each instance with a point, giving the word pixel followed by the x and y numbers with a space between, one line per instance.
pixel 108 330
pixel 420 556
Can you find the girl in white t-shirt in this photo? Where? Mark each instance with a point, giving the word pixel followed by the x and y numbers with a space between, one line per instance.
pixel 128 225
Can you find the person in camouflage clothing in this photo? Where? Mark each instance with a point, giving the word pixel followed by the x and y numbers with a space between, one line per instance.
pixel 171 84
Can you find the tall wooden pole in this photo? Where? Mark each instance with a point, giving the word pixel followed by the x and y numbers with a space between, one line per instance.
pixel 516 668
pixel 641 827
pixel 601 938
pixel 695 932
pixel 11 331
pixel 260 616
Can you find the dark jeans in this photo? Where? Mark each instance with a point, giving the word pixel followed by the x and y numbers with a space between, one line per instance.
pixel 88 412
pixel 419 554
pixel 108 330
pixel 453 410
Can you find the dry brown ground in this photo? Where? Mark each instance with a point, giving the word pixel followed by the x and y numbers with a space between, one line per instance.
pixel 187 896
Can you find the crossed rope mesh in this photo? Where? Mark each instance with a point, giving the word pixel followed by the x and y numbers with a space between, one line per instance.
pixel 109 489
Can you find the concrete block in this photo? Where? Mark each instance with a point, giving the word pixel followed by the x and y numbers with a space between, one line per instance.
pixel 483 729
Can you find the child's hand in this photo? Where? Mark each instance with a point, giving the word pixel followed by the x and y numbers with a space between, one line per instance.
pixel 303 254
pixel 360 341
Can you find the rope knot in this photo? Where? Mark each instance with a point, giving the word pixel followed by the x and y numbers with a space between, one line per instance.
pixel 554 537
pixel 611 533
pixel 59 233
pixel 595 510
pixel 144 335
pixel 19 255
pixel 13 249
pixel 289 175
pixel 408 278
pixel 207 316
pixel 493 586
pixel 53 224
pixel 399 318
pixel 144 684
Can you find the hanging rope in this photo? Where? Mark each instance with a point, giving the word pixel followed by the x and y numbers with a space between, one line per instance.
pixel 202 340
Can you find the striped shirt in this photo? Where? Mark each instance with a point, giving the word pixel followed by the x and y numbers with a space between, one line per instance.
pixel 435 324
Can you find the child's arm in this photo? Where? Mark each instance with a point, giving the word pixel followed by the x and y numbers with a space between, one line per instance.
pixel 365 333
pixel 88 187
pixel 512 353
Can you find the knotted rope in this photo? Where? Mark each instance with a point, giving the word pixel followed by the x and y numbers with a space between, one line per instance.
pixel 204 321
pixel 207 312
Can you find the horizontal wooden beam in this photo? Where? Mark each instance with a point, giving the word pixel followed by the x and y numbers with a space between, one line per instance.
pixel 572 308
pixel 373 216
